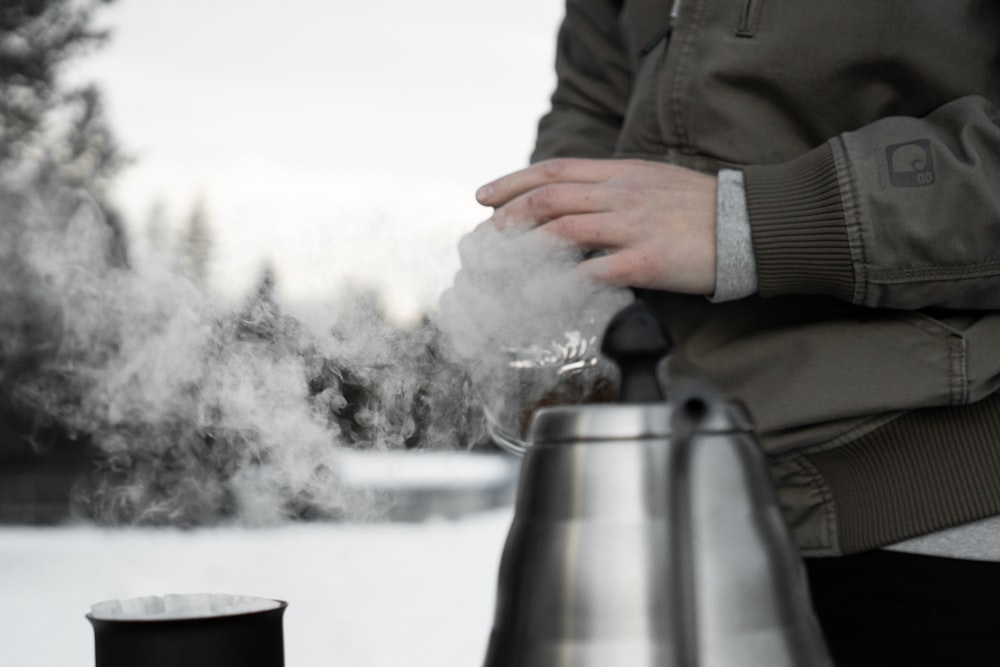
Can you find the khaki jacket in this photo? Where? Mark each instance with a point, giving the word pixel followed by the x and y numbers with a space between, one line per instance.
pixel 869 136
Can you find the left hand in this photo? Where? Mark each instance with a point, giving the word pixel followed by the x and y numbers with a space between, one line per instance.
pixel 655 221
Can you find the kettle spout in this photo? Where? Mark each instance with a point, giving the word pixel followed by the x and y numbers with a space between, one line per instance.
pixel 743 580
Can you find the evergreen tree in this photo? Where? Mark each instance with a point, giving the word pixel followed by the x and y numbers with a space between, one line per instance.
pixel 156 225
pixel 196 242
pixel 56 147
pixel 50 134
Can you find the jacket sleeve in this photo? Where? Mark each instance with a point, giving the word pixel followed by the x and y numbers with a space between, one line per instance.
pixel 902 213
pixel 593 82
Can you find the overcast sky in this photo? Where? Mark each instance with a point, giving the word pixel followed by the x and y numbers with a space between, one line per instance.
pixel 339 140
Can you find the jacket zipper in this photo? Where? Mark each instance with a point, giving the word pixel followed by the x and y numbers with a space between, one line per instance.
pixel 663 33
pixel 750 18
pixel 675 9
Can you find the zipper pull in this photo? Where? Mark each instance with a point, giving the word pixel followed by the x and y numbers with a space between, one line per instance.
pixel 663 33
pixel 658 37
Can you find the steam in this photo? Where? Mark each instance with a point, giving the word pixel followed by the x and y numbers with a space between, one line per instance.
pixel 202 413
pixel 526 328
pixel 516 290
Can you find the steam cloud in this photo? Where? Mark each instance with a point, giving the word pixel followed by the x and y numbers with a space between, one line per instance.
pixel 202 413
pixel 526 328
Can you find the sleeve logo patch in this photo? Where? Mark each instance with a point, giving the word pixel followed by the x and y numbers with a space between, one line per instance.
pixel 911 164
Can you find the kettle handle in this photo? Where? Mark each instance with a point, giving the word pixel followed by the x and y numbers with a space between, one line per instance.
pixel 636 342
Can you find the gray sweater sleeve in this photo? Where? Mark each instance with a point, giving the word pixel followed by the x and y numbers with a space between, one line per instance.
pixel 735 266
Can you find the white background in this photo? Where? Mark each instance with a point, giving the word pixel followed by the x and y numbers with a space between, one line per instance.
pixel 342 141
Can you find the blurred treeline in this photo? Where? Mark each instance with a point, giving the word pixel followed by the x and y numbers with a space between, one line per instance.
pixel 56 145
pixel 52 133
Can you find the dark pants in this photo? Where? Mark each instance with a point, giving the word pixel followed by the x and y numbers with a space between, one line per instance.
pixel 885 608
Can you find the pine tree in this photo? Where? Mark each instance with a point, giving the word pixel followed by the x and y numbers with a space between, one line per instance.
pixel 55 146
pixel 156 225
pixel 51 134
pixel 196 242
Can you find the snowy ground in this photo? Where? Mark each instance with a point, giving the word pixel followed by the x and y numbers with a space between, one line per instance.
pixel 359 595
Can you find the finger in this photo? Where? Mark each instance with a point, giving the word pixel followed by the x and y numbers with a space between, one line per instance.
pixel 640 266
pixel 561 170
pixel 627 268
pixel 590 231
pixel 551 201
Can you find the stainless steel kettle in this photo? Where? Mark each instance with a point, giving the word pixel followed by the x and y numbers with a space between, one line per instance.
pixel 646 533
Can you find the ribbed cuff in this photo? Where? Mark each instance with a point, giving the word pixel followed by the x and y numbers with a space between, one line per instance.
pixel 799 232
pixel 926 471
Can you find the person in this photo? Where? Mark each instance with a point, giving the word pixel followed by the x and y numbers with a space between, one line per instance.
pixel 809 191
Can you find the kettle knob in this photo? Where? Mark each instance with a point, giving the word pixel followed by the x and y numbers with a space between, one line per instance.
pixel 636 342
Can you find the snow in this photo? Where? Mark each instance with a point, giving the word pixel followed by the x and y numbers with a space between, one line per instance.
pixel 359 595
pixel 432 470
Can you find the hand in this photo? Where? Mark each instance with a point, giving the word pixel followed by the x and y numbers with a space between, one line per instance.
pixel 655 221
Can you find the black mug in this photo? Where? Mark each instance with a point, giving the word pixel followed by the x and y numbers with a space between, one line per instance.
pixel 189 631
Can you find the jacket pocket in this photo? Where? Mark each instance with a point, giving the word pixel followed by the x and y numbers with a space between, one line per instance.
pixel 750 18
